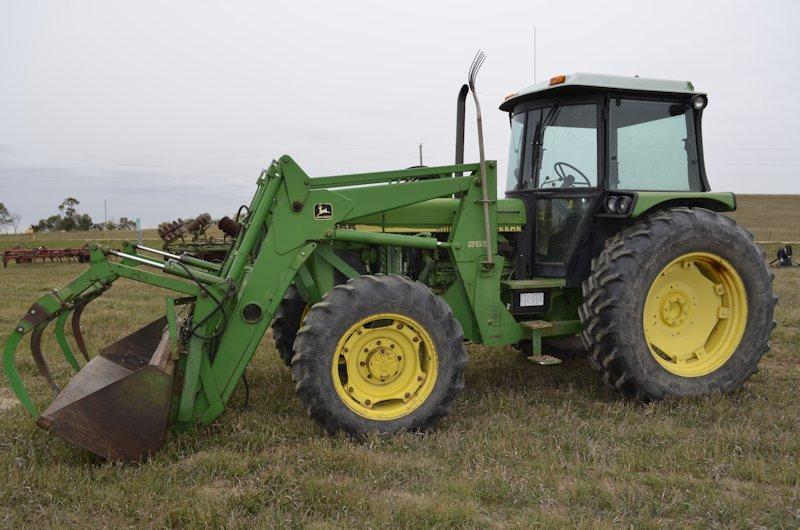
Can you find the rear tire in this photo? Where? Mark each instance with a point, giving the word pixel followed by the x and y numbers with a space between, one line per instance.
pixel 408 385
pixel 287 321
pixel 619 287
pixel 293 309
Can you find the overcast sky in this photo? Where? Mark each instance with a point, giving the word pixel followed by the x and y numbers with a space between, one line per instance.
pixel 170 109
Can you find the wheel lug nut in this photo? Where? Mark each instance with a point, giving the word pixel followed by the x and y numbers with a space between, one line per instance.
pixel 362 363
pixel 399 358
pixel 350 389
pixel 369 376
pixel 379 343
pixel 399 326
pixel 415 339
pixel 407 395
pixel 391 345
pixel 367 402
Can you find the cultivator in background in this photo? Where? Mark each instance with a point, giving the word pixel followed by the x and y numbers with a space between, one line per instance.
pixel 191 236
pixel 21 254
pixel 373 282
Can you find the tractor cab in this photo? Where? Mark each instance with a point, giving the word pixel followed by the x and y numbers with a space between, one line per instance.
pixel 585 146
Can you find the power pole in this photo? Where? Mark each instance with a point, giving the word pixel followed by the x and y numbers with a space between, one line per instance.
pixel 420 154
pixel 105 211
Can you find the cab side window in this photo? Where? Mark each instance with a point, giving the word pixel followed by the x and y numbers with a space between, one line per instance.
pixel 652 146
pixel 515 151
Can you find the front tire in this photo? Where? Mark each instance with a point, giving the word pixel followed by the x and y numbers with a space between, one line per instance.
pixel 680 304
pixel 380 354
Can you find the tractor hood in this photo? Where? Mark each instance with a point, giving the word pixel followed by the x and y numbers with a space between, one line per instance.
pixel 437 215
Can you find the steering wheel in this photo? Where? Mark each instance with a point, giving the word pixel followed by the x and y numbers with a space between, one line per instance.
pixel 568 180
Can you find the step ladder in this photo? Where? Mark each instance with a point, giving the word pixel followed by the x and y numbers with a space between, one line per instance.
pixel 537 357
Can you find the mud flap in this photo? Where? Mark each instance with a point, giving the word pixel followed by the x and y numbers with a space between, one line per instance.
pixel 118 405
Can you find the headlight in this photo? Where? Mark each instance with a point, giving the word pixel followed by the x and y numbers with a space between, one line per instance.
pixel 618 204
pixel 623 204
pixel 699 101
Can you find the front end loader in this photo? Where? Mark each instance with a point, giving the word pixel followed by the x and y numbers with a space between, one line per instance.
pixel 374 282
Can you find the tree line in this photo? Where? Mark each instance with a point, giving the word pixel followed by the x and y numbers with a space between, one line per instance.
pixel 67 220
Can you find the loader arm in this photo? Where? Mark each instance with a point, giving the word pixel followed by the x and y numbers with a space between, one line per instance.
pixel 288 236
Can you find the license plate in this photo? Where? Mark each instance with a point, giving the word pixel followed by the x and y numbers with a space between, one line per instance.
pixel 531 299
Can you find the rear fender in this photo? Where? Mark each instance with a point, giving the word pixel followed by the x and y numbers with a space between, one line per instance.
pixel 647 201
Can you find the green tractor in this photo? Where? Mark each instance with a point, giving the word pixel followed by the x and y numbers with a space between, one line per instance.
pixel 373 283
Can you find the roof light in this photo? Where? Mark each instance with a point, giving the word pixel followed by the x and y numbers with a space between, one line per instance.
pixel 699 101
pixel 557 80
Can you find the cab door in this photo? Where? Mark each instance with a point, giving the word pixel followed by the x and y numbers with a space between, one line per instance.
pixel 559 176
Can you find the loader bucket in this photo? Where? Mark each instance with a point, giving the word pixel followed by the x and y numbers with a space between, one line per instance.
pixel 117 406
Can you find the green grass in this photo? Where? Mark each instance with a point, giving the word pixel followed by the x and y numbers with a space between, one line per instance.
pixel 525 446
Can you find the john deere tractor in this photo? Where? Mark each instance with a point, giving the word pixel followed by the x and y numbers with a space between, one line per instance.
pixel 374 283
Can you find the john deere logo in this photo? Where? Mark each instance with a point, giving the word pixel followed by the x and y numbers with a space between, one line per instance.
pixel 322 211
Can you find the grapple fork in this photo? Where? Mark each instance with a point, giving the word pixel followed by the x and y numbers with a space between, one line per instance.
pixel 76 328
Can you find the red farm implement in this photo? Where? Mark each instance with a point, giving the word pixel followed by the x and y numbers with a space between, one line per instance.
pixel 20 254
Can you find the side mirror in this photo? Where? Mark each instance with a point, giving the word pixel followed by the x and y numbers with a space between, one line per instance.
pixel 677 109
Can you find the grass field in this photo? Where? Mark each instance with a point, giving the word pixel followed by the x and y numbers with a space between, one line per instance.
pixel 525 446
pixel 770 217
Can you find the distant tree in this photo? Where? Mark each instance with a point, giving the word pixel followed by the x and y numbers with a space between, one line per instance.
pixel 69 219
pixel 68 209
pixel 15 219
pixel 5 216
pixel 68 206
pixel 126 224
pixel 54 222
pixel 9 219
pixel 82 221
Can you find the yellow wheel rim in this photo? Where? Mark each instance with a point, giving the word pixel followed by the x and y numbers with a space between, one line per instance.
pixel 384 366
pixel 695 314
